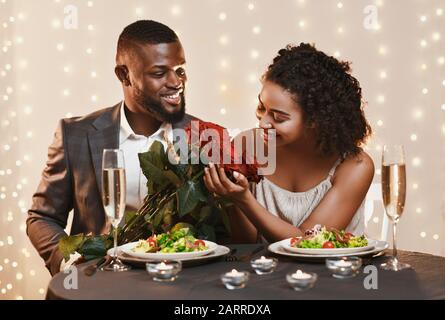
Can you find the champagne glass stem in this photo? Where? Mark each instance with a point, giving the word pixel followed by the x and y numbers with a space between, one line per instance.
pixel 394 249
pixel 115 244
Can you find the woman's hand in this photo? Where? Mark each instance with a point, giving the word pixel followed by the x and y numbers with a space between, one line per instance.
pixel 217 182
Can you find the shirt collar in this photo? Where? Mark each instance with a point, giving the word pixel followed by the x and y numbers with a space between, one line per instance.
pixel 126 131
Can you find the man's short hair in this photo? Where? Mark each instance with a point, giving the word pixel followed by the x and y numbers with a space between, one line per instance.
pixel 144 32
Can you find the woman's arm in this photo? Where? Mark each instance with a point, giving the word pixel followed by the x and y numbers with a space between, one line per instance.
pixel 349 187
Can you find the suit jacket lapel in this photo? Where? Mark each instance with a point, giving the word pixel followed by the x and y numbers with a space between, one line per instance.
pixel 105 136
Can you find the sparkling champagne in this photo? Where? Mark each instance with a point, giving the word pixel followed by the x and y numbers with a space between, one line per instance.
pixel 114 194
pixel 394 190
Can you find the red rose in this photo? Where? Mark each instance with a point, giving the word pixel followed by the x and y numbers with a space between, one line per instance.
pixel 249 170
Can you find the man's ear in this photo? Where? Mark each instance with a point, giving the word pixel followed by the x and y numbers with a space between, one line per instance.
pixel 122 74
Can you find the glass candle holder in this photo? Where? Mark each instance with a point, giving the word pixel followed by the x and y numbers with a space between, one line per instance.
pixel 235 279
pixel 301 280
pixel 263 265
pixel 165 270
pixel 345 267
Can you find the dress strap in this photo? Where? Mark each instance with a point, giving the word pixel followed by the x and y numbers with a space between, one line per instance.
pixel 331 173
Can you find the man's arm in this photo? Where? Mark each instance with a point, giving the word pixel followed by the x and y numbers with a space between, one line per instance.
pixel 51 203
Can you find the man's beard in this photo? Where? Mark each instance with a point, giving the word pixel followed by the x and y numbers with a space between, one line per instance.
pixel 156 108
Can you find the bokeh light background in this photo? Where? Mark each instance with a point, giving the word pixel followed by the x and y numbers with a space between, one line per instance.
pixel 49 70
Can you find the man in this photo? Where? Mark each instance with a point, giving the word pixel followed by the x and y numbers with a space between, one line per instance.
pixel 150 65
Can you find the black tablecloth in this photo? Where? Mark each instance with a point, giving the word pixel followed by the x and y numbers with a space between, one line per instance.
pixel 425 281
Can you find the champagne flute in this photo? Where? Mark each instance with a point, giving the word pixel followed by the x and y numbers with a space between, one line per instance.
pixel 113 196
pixel 394 194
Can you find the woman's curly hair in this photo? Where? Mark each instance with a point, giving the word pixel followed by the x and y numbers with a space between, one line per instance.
pixel 331 98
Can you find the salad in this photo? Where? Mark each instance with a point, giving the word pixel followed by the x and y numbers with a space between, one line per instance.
pixel 322 238
pixel 181 240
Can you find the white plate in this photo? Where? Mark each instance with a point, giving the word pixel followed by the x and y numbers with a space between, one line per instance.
pixel 277 248
pixel 286 245
pixel 126 248
pixel 219 252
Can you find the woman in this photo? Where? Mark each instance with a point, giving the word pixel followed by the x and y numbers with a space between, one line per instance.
pixel 322 175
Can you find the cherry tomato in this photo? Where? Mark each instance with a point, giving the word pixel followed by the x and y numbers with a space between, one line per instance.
pixel 348 236
pixel 328 245
pixel 151 241
pixel 294 240
pixel 199 242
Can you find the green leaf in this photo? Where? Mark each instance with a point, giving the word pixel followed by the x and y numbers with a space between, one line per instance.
pixel 189 195
pixel 158 218
pixel 129 216
pixel 93 248
pixel 152 168
pixel 225 202
pixel 170 175
pixel 181 225
pixel 154 165
pixel 70 244
pixel 204 213
pixel 181 170
pixel 225 218
pixel 150 187
pixel 207 232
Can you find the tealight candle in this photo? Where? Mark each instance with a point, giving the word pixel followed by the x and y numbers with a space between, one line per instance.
pixel 163 266
pixel 300 280
pixel 235 279
pixel 301 275
pixel 343 263
pixel 165 270
pixel 345 267
pixel 264 265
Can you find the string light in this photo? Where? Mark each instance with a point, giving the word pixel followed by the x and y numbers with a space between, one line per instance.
pixel 416 162
pixel 223 40
pixel 176 10
pixel 254 54
pixel 382 50
pixel 436 36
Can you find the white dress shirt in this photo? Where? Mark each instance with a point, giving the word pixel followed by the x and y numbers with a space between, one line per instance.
pixel 131 144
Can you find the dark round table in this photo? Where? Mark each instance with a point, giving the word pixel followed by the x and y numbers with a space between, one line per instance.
pixel 424 281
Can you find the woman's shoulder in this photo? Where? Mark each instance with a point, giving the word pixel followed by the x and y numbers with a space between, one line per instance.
pixel 359 165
